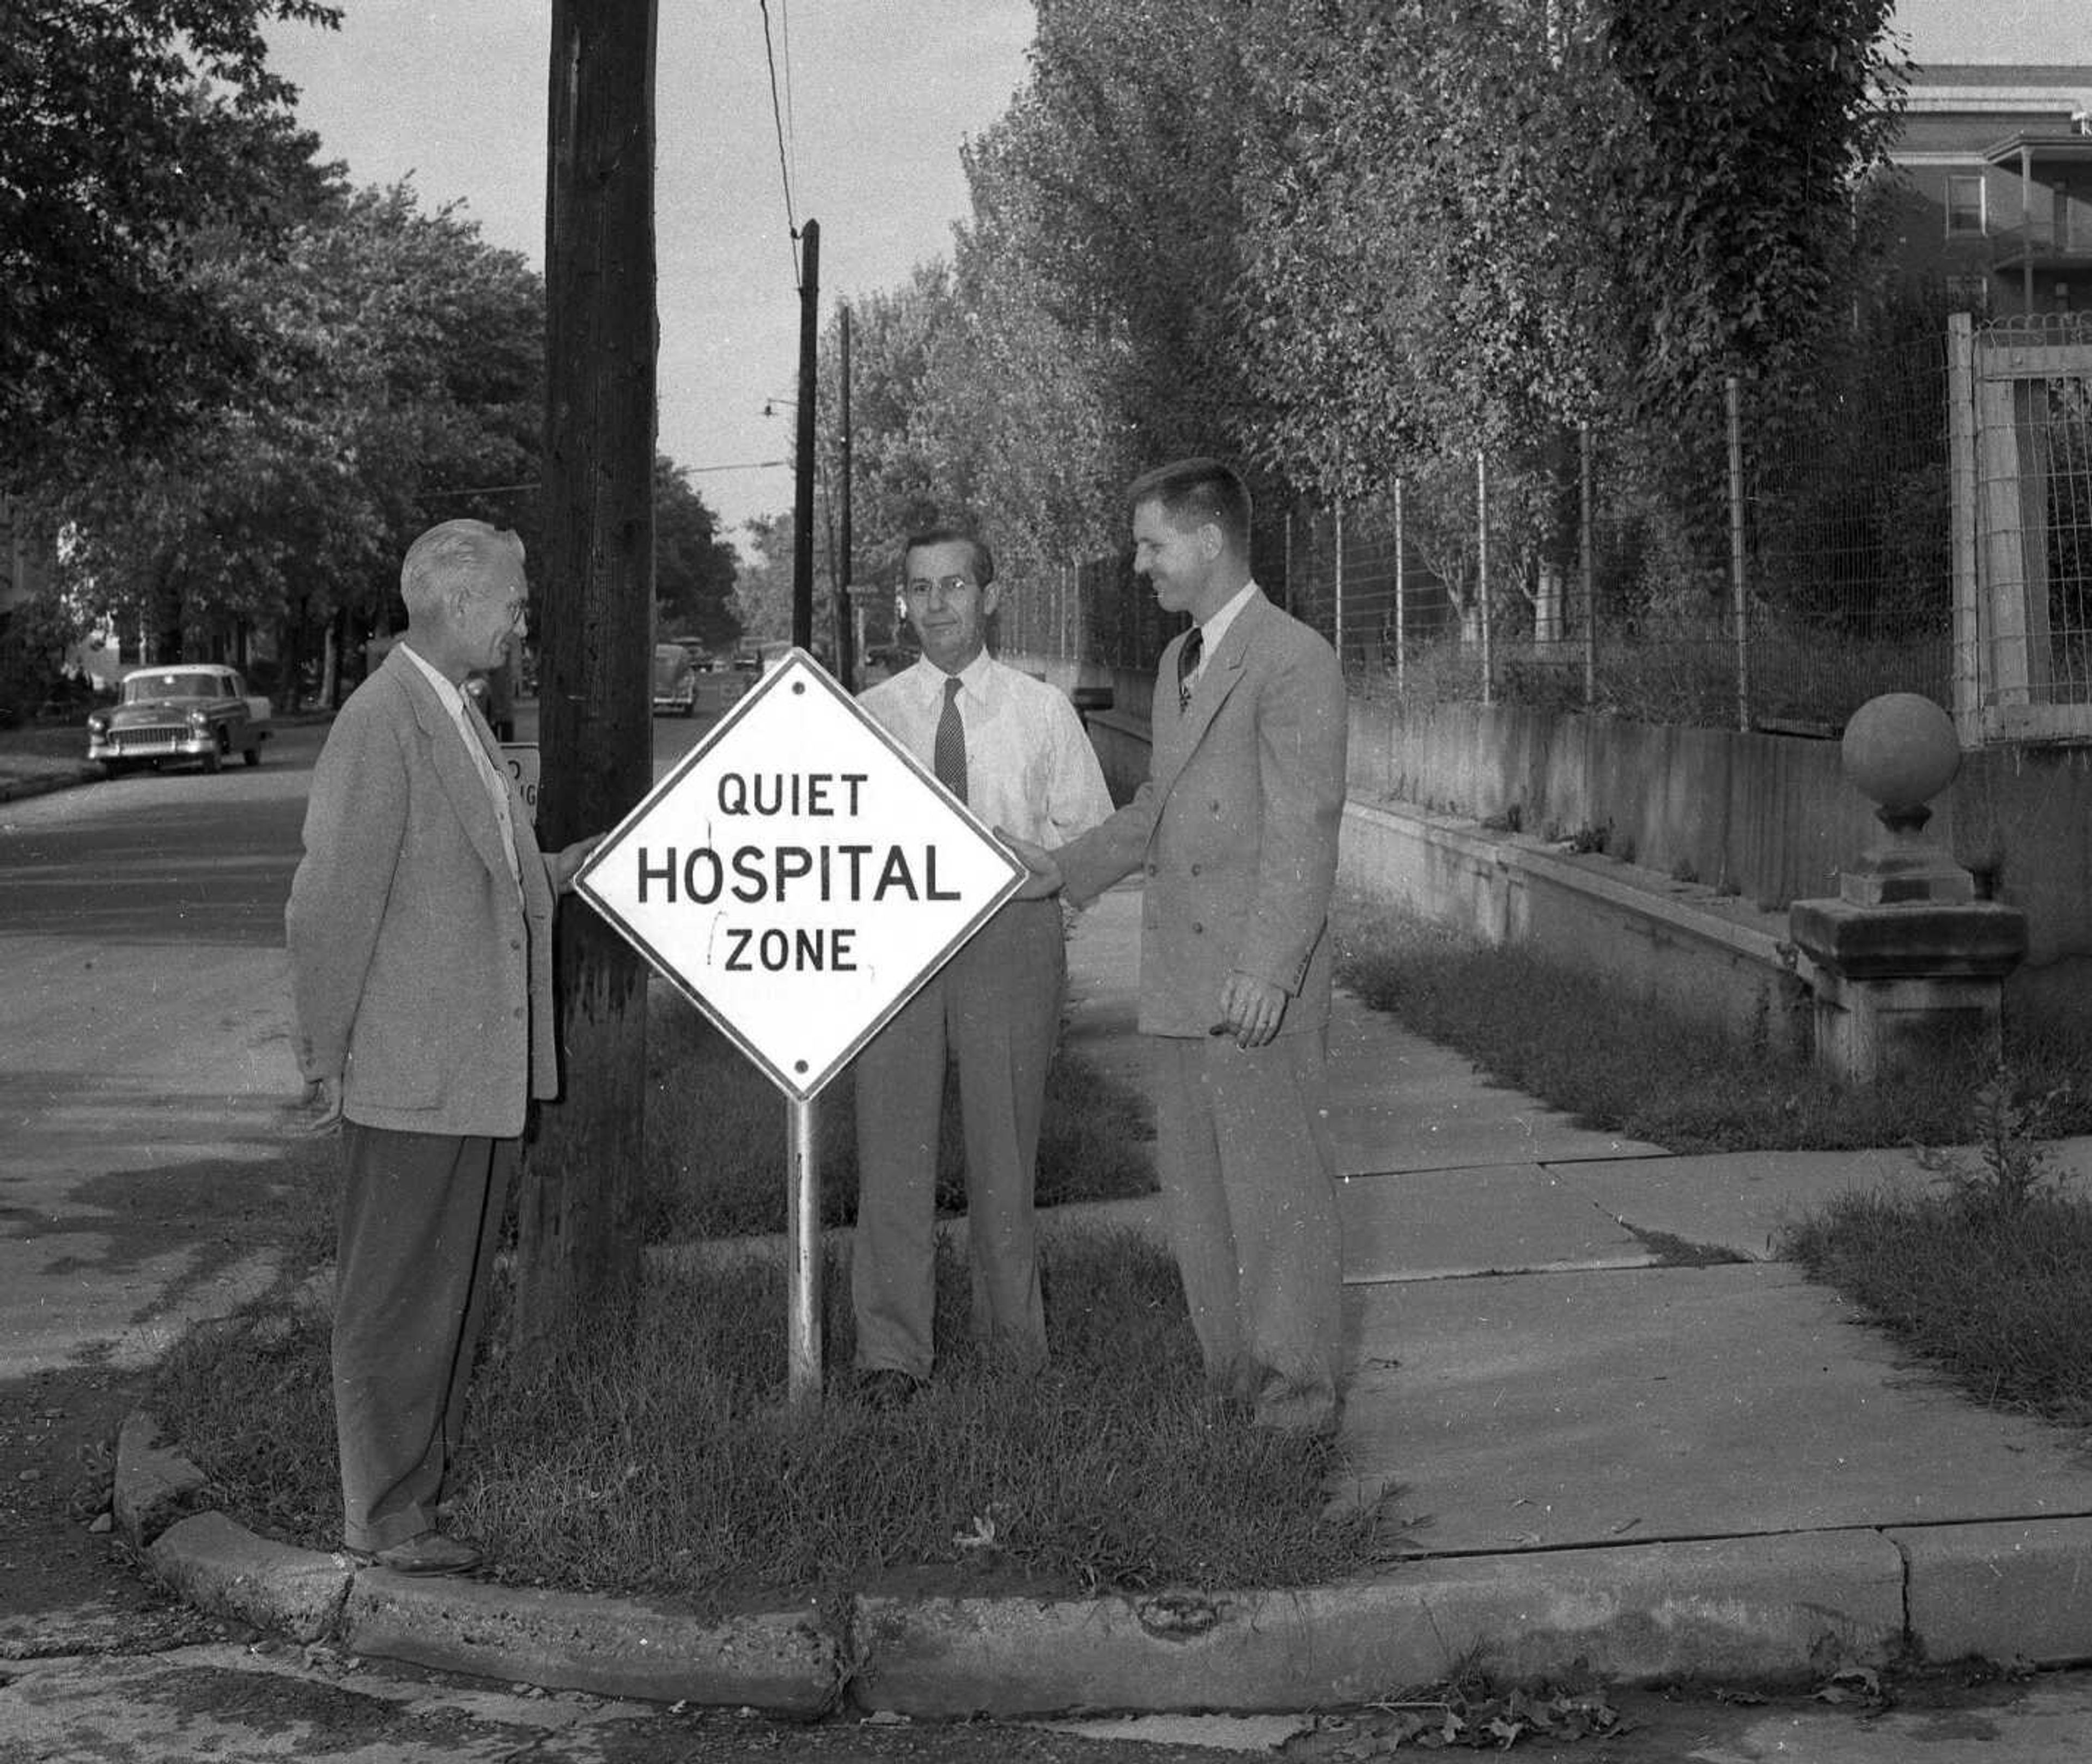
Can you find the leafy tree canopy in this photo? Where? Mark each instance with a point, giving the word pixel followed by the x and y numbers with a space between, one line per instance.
pixel 694 568
pixel 397 380
pixel 129 128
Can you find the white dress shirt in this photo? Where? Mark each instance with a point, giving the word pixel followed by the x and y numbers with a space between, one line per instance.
pixel 1029 766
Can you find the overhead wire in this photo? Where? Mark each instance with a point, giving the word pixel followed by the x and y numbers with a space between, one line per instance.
pixel 777 117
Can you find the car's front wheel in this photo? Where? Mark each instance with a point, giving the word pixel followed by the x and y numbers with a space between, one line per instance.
pixel 112 768
pixel 216 757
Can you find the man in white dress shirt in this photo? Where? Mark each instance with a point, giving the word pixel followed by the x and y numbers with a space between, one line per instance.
pixel 1013 750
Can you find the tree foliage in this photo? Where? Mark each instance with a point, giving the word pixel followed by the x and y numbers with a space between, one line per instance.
pixel 127 133
pixel 396 379
pixel 1345 240
pixel 694 568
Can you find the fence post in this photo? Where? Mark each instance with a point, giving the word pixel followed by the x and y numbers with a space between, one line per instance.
pixel 1401 595
pixel 1736 578
pixel 1482 576
pixel 1962 524
pixel 1338 640
pixel 1584 570
pixel 1288 590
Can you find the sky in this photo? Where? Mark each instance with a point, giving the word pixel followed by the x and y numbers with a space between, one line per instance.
pixel 878 95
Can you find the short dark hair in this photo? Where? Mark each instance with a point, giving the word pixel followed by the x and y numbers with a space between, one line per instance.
pixel 1196 491
pixel 951 533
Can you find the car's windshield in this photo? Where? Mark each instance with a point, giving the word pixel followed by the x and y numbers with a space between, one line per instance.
pixel 143 689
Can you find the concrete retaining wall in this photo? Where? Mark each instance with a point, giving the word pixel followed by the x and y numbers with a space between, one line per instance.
pixel 1754 821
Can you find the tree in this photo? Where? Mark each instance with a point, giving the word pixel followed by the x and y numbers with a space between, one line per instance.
pixel 1753 123
pixel 127 131
pixel 762 587
pixel 397 369
pixel 693 569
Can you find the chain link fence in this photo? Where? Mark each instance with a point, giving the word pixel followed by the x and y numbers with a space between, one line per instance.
pixel 1769 559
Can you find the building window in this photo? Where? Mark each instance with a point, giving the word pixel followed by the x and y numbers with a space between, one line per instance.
pixel 1964 206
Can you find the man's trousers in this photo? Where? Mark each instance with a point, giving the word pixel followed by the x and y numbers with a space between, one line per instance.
pixel 996 1006
pixel 421 1215
pixel 1247 1170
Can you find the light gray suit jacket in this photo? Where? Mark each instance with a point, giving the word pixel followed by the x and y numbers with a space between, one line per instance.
pixel 419 974
pixel 1236 827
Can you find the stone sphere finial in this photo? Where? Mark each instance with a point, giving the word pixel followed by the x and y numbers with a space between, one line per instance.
pixel 1901 751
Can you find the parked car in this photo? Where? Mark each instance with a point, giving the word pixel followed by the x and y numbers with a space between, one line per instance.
pixel 674 681
pixel 493 689
pixel 190 710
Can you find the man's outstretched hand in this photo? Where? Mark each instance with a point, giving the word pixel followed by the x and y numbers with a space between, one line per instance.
pixel 1045 877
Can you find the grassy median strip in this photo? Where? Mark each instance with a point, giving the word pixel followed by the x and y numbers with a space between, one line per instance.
pixel 665 1462
pixel 1620 1064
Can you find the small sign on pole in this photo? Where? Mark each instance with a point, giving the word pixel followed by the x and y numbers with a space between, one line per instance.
pixel 521 759
pixel 797 876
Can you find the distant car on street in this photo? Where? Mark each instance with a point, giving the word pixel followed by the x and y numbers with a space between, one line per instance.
pixel 493 689
pixel 674 681
pixel 196 711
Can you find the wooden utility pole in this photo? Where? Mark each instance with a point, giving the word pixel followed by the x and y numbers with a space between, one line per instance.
pixel 803 499
pixel 846 626
pixel 579 1245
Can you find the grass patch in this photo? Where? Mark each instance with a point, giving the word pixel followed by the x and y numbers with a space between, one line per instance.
pixel 2001 1302
pixel 1987 1274
pixel 1620 1065
pixel 667 1462
pixel 639 1465
pixel 716 1137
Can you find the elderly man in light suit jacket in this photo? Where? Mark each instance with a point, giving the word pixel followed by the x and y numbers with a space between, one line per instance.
pixel 420 931
pixel 1235 833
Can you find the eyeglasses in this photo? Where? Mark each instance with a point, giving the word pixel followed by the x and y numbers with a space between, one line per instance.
pixel 923 587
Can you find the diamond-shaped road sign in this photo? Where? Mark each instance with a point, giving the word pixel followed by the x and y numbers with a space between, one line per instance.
pixel 798 875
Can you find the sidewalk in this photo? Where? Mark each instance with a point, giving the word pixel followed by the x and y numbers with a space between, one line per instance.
pixel 1608 1462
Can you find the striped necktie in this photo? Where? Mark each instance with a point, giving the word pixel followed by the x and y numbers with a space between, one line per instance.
pixel 1187 664
pixel 948 757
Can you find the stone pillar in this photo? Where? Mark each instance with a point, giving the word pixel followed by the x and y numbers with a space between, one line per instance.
pixel 1906 961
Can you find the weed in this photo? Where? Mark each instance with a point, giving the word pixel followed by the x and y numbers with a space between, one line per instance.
pixel 2012 1165
pixel 1590 839
pixel 1684 872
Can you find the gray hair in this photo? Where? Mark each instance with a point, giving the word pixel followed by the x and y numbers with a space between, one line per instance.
pixel 451 559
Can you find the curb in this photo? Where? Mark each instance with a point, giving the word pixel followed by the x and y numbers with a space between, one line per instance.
pixel 1787 1607
pixel 1754 1609
pixel 15 789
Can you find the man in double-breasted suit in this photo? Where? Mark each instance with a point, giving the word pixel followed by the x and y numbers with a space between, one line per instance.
pixel 420 932
pixel 1235 833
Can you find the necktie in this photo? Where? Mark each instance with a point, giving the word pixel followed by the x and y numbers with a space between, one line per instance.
pixel 948 757
pixel 1187 664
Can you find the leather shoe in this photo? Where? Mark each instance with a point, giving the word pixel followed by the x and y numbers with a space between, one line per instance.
pixel 887 1388
pixel 433 1552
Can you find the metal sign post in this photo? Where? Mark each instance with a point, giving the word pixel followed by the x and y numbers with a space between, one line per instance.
pixel 797 876
pixel 802 1333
